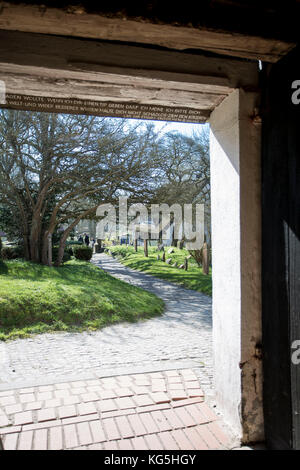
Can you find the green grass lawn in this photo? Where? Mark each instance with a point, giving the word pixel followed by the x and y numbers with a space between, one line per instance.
pixel 191 279
pixel 74 297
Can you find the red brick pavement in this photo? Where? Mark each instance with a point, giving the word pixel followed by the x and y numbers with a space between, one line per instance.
pixel 162 410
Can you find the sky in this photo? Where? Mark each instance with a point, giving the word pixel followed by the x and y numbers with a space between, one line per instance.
pixel 184 128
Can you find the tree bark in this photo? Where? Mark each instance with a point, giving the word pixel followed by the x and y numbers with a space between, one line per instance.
pixel 35 238
pixel 49 249
pixel 62 244
pixel 26 246
pixel 45 248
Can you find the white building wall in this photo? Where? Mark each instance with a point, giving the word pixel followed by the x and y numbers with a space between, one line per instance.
pixel 235 206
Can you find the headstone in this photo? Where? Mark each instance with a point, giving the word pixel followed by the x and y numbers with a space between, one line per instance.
pixel 164 257
pixel 181 266
pixel 158 257
pixel 171 250
pixel 186 264
pixel 146 248
pixel 169 261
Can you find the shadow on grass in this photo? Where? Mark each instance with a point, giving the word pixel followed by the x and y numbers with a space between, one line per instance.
pixel 192 279
pixel 3 267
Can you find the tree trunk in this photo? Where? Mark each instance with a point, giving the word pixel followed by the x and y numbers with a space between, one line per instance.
pixel 50 249
pixel 35 238
pixel 61 249
pixel 173 239
pixel 26 246
pixel 45 248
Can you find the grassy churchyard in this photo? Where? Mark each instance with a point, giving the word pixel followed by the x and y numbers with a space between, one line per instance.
pixel 193 278
pixel 73 297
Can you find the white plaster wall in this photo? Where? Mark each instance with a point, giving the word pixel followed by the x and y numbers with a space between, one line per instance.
pixel 225 209
pixel 235 195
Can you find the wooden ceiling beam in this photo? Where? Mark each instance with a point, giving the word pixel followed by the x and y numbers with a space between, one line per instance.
pixel 71 54
pixel 77 23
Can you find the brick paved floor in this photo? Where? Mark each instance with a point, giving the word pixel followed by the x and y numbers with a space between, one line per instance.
pixel 162 410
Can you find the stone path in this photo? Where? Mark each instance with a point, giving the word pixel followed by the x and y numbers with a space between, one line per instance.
pixel 154 411
pixel 180 338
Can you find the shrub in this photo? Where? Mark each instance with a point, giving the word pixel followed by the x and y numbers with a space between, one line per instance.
pixel 66 256
pixel 70 245
pixel 69 250
pixel 12 252
pixel 83 252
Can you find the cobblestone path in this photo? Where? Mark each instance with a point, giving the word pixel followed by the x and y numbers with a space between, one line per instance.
pixel 180 338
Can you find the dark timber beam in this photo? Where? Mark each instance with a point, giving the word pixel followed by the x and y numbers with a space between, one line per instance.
pixel 72 54
pixel 77 22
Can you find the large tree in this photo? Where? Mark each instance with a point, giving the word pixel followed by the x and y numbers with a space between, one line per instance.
pixel 56 169
pixel 183 172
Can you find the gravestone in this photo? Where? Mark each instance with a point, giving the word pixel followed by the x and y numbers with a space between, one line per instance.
pixel 146 248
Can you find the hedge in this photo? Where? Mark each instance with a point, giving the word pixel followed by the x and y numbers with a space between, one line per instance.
pixel 83 252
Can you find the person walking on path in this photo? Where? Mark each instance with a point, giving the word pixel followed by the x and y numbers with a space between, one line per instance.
pixel 86 239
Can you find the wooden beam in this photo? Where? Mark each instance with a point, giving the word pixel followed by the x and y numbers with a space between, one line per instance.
pixel 61 84
pixel 133 110
pixel 220 75
pixel 78 23
pixel 142 82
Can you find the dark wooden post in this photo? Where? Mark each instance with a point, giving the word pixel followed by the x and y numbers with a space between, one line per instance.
pixel 135 244
pixel 146 247
pixel 281 255
pixel 164 257
pixel 186 264
pixel 205 260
